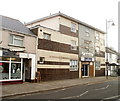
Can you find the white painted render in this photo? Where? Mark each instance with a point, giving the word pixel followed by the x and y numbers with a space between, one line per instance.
pixel 33 63
pixel 52 23
pixel 56 56
pixel 0 52
pixel 67 22
pixel 57 36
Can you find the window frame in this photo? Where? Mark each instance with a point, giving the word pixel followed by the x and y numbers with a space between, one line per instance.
pixel 73 46
pixel 44 34
pixel 10 68
pixel 73 65
pixel 97 65
pixel 13 37
pixel 96 49
pixel 43 60
pixel 97 36
pixel 73 27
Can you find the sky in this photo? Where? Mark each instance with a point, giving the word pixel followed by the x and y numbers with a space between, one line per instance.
pixel 92 12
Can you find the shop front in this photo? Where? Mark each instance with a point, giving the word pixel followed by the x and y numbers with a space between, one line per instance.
pixel 10 66
pixel 87 67
pixel 14 68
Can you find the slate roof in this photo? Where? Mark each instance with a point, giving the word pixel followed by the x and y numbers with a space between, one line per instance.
pixel 14 25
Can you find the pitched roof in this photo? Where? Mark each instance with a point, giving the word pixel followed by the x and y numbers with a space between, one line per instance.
pixel 110 50
pixel 14 25
pixel 65 16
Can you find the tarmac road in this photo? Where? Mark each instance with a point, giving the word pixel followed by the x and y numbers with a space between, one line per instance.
pixel 106 91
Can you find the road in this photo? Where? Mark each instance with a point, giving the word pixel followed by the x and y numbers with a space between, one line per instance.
pixel 90 92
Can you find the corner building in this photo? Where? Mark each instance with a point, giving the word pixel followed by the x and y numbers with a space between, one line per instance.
pixel 66 47
pixel 57 53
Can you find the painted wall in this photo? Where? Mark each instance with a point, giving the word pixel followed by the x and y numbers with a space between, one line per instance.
pixel 29 41
pixel 52 23
pixel 67 22
pixel 57 36
pixel 33 63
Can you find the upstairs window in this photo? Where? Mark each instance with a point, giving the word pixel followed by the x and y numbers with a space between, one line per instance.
pixel 16 40
pixel 46 36
pixel 97 49
pixel 97 36
pixel 73 45
pixel 97 65
pixel 87 33
pixel 73 27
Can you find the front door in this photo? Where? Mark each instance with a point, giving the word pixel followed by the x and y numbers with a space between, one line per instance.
pixel 85 70
pixel 27 69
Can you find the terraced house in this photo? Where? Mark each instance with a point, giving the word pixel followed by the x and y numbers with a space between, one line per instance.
pixel 67 48
pixel 17 51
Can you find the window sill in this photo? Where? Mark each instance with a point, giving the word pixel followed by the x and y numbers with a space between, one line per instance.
pixel 16 46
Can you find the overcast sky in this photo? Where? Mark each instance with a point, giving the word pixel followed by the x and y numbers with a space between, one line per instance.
pixel 93 12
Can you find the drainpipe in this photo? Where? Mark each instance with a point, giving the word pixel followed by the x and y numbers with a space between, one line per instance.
pixel 79 70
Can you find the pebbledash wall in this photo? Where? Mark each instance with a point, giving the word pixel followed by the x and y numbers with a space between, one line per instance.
pixel 59 36
pixel 100 66
pixel 17 52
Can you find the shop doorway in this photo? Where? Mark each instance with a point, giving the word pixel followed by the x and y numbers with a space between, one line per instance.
pixel 27 70
pixel 85 70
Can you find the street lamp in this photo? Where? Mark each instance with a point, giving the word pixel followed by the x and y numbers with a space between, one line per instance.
pixel 108 24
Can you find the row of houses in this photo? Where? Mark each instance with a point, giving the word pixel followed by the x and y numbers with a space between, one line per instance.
pixel 58 46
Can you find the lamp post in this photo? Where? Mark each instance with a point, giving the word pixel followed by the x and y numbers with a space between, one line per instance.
pixel 107 26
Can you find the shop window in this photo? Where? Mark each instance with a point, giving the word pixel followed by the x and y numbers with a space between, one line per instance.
pixel 15 71
pixel 16 40
pixel 46 36
pixel 10 68
pixel 4 70
pixel 73 65
pixel 0 58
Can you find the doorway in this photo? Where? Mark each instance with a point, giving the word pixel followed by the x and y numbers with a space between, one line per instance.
pixel 85 70
pixel 27 70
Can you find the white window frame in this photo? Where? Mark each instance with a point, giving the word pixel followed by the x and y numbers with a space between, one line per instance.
pixel 10 62
pixel 96 65
pixel 87 33
pixel 97 36
pixel 73 27
pixel 97 49
pixel 15 37
pixel 73 45
pixel 46 34
pixel 73 65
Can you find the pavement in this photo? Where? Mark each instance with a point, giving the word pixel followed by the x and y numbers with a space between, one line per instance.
pixel 29 88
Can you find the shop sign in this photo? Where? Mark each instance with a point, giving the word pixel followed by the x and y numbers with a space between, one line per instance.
pixel 87 59
pixel 10 53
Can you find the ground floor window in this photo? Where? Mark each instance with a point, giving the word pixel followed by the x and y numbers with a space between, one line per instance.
pixel 73 65
pixel 4 70
pixel 15 70
pixel 10 68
